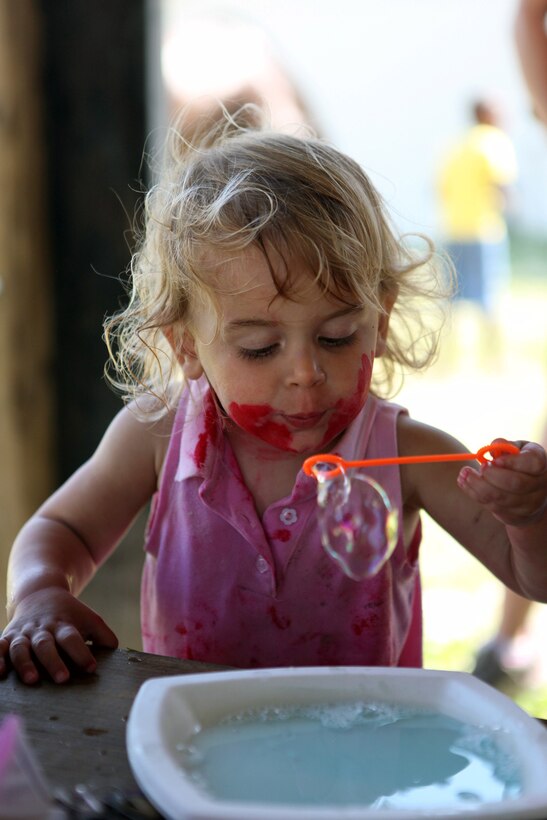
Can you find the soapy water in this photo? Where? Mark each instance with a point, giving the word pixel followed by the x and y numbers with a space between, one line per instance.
pixel 378 756
pixel 358 523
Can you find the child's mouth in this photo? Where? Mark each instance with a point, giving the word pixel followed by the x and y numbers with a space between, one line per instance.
pixel 303 421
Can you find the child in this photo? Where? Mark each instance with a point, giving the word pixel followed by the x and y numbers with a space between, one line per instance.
pixel 262 297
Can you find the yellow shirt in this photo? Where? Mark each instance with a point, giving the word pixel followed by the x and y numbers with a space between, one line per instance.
pixel 471 186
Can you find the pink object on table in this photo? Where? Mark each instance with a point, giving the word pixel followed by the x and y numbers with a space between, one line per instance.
pixel 24 792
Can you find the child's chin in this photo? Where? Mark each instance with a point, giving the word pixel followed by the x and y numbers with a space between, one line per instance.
pixel 307 444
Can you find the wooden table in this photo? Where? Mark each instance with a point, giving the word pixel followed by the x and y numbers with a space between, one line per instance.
pixel 77 730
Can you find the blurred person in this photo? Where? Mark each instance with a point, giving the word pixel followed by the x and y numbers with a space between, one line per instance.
pixel 473 192
pixel 210 57
pixel 531 44
pixel 499 659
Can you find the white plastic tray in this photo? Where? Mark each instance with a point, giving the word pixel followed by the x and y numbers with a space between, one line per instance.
pixel 166 711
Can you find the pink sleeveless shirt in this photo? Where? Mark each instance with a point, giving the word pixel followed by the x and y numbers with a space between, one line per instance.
pixel 222 585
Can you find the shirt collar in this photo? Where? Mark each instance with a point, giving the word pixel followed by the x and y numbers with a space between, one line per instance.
pixel 201 430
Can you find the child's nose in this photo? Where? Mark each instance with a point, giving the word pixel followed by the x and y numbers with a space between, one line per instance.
pixel 306 370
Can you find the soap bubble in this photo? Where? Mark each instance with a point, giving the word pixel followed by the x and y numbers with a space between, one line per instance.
pixel 358 523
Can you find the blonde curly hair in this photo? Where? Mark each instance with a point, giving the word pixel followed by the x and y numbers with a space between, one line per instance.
pixel 238 185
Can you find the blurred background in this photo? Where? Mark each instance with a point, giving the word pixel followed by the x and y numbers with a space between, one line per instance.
pixel 85 99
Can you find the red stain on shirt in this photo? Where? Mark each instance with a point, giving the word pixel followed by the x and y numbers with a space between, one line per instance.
pixel 282 535
pixel 182 629
pixel 210 434
pixel 359 625
pixel 278 620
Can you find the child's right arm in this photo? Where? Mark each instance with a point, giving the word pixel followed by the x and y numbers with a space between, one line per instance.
pixel 61 546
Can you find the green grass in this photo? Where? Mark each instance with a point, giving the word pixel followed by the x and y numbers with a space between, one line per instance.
pixel 490 380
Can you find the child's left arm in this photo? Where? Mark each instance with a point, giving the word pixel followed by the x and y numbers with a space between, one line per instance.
pixel 498 511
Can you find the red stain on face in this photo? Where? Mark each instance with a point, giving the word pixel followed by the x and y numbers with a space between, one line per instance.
pixel 254 418
pixel 345 410
pixel 257 419
pixel 211 432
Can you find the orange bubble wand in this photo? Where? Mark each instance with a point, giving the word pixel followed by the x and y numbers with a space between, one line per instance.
pixel 493 450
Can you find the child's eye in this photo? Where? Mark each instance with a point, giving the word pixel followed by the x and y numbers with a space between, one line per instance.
pixel 256 353
pixel 340 341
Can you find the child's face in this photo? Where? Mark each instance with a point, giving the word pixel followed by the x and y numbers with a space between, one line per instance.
pixel 293 374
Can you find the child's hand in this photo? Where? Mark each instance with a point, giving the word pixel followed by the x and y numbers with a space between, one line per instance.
pixel 43 624
pixel 513 487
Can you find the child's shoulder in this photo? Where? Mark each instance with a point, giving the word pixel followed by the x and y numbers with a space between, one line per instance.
pixel 142 429
pixel 147 416
pixel 416 438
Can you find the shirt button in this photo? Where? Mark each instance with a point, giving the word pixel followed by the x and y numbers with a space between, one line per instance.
pixel 288 516
pixel 262 564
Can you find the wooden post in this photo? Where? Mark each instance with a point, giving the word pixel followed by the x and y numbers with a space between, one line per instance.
pixel 26 468
pixel 95 122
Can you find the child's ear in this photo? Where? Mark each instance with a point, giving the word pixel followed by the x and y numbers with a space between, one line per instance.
pixel 388 300
pixel 184 348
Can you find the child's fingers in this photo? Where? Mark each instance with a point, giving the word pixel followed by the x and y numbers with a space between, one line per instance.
pixel 509 481
pixel 101 634
pixel 532 458
pixel 33 647
pixel 75 647
pixel 495 486
pixel 523 475
pixel 474 485
pixel 21 659
pixel 45 649
pixel 491 484
pixel 513 497
pixel 4 654
pixel 72 639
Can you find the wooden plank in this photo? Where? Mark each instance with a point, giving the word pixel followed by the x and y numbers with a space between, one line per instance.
pixel 77 730
pixel 25 277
